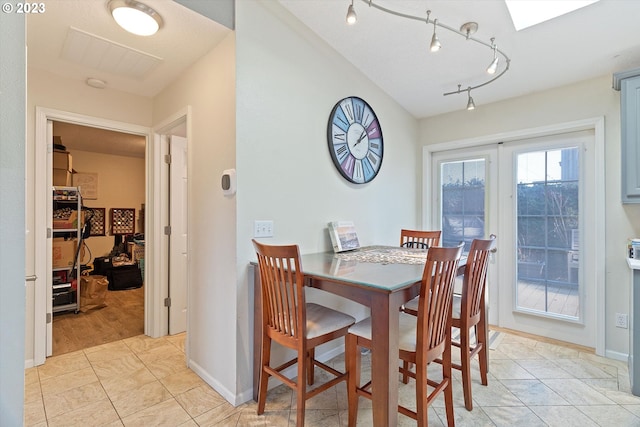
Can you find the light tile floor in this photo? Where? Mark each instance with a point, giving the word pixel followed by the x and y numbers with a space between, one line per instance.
pixel 142 381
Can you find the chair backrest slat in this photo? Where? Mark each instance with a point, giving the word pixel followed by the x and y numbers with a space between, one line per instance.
pixel 419 239
pixel 434 306
pixel 282 289
pixel 475 277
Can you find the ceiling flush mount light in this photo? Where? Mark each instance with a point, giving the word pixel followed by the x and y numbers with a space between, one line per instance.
pixel 466 31
pixel 135 17
pixel 96 83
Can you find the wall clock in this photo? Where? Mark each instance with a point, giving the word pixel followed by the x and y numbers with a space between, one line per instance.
pixel 355 140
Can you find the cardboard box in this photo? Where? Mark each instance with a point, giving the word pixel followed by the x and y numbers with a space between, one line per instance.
pixel 69 223
pixel 62 160
pixel 63 252
pixel 61 178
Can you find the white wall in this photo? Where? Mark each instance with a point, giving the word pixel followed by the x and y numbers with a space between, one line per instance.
pixel 288 81
pixel 49 90
pixel 592 98
pixel 209 88
pixel 12 218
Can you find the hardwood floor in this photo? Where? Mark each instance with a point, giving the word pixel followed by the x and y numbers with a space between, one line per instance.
pixel 123 317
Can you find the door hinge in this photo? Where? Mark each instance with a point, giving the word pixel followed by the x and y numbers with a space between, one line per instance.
pixel 167 159
pixel 49 233
pixel 167 230
pixel 48 317
pixel 167 302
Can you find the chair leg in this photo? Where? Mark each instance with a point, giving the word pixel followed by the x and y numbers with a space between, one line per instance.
pixel 465 362
pixel 352 365
pixel 483 355
pixel 303 359
pixel 311 366
pixel 405 367
pixel 422 396
pixel 448 391
pixel 264 377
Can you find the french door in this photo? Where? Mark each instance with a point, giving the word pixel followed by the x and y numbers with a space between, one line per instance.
pixel 465 190
pixel 537 195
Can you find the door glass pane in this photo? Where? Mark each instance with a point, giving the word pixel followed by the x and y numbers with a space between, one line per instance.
pixel 547 232
pixel 463 191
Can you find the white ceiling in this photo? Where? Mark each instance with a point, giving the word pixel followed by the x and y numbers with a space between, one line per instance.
pixel 593 41
pixel 596 40
pixel 185 38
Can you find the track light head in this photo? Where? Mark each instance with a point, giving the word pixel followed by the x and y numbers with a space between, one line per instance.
pixel 435 42
pixel 493 67
pixel 352 18
pixel 470 104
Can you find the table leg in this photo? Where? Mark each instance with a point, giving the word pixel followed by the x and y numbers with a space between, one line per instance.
pixel 384 360
pixel 257 330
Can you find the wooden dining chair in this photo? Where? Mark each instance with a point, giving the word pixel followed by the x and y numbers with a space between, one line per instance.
pixel 423 339
pixel 292 322
pixel 469 311
pixel 419 239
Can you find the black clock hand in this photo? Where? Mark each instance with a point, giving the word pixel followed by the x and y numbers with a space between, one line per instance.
pixel 362 135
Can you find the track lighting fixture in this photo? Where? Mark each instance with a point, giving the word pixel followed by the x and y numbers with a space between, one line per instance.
pixel 466 31
pixel 352 18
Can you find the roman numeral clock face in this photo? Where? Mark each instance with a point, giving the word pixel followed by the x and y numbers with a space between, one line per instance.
pixel 355 140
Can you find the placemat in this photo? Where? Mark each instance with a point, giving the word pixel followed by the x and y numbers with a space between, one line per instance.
pixel 385 255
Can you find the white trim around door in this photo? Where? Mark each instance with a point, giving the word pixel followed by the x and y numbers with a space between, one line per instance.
pixel 42 196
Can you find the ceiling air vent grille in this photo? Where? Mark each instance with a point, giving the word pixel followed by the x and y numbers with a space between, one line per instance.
pixel 101 54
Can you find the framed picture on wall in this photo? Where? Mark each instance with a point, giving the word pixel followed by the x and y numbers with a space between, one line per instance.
pixel 97 218
pixel 123 221
pixel 88 183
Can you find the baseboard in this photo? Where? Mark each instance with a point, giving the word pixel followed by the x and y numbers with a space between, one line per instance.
pixel 616 355
pixel 29 363
pixel 216 385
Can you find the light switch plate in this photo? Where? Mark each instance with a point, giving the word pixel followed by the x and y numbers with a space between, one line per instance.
pixel 263 228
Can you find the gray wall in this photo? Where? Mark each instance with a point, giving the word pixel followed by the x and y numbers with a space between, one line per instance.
pixel 12 223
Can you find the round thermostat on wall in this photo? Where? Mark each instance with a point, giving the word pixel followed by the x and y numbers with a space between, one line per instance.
pixel 228 182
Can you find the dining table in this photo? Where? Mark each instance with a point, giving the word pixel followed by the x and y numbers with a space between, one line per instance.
pixel 379 277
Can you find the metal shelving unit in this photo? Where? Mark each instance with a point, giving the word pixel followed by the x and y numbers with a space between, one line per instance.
pixel 65 297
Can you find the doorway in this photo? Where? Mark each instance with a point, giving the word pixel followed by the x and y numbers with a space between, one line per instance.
pixel 536 190
pixel 156 290
pixel 42 317
pixel 172 142
pixel 109 167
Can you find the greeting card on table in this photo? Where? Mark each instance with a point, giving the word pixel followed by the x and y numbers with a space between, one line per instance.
pixel 343 236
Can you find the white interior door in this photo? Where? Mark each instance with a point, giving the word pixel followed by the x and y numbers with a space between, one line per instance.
pixel 178 239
